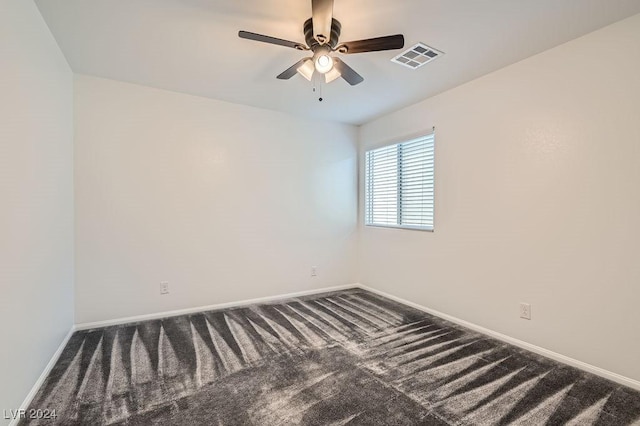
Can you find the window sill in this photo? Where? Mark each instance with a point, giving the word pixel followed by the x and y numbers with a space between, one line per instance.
pixel 409 228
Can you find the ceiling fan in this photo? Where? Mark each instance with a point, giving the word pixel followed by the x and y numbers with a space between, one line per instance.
pixel 321 34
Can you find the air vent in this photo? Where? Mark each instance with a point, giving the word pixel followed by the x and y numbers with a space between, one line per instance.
pixel 417 56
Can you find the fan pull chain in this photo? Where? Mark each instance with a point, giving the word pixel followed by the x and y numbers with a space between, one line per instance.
pixel 317 85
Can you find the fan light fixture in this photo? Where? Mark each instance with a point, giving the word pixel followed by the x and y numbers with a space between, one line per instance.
pixel 324 63
pixel 331 75
pixel 306 69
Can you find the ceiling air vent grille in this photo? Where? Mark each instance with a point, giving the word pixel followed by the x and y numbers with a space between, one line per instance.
pixel 417 56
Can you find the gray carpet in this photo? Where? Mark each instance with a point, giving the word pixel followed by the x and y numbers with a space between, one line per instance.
pixel 348 357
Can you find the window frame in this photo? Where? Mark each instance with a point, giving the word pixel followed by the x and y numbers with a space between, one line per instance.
pixel 367 184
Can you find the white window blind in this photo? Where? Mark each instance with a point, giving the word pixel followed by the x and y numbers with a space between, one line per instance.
pixel 399 184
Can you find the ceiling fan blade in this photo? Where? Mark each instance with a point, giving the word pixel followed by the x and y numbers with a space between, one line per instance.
pixel 347 72
pixel 292 70
pixel 372 44
pixel 322 16
pixel 271 40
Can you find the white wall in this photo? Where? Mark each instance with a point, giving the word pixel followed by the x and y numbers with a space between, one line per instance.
pixel 36 193
pixel 225 202
pixel 537 200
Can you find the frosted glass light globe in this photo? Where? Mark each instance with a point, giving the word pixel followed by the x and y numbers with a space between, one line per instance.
pixel 324 63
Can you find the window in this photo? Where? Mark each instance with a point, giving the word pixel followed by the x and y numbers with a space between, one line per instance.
pixel 399 185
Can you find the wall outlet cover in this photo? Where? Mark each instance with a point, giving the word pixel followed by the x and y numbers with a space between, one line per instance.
pixel 525 311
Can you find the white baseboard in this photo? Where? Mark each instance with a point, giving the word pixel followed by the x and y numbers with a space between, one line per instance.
pixel 158 315
pixel 614 377
pixel 36 387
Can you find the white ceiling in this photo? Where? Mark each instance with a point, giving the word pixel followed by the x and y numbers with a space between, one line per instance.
pixel 191 46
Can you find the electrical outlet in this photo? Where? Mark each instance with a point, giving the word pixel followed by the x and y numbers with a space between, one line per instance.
pixel 525 311
pixel 314 271
pixel 164 287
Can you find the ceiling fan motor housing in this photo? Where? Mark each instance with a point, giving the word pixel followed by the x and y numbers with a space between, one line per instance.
pixel 313 43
